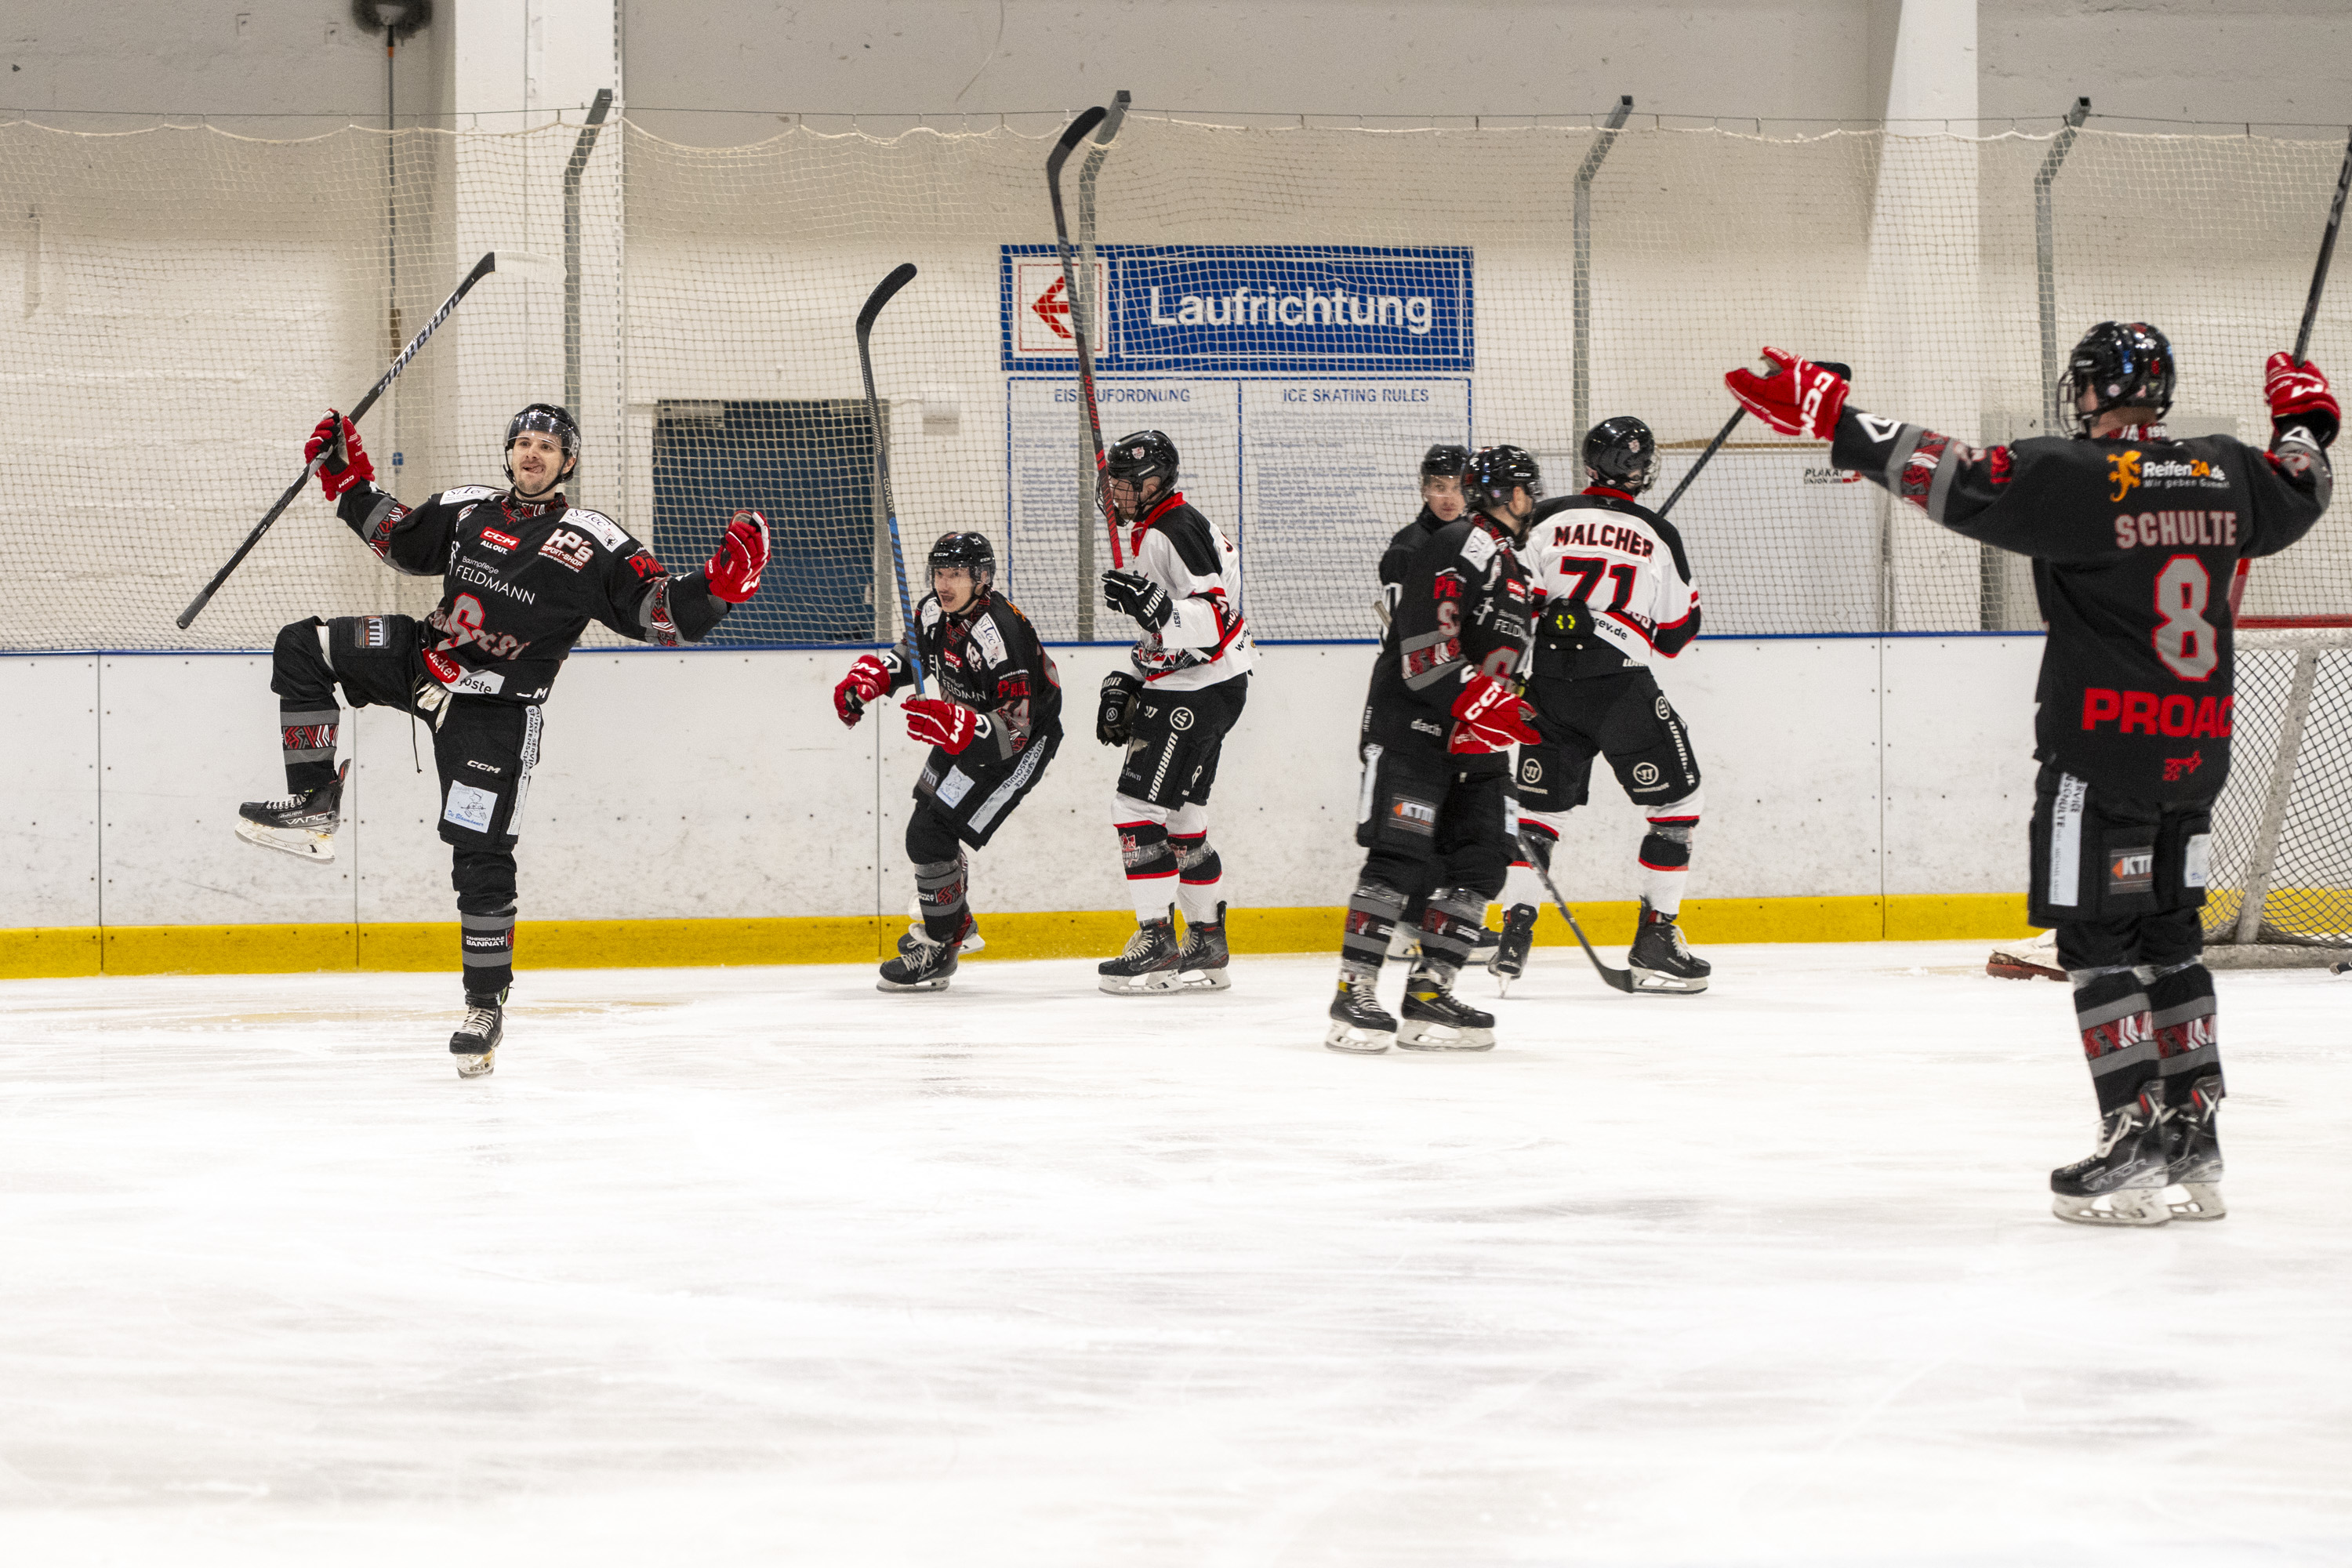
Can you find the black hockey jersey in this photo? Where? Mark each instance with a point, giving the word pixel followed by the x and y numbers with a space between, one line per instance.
pixel 2135 538
pixel 521 581
pixel 988 658
pixel 1462 605
pixel 1393 560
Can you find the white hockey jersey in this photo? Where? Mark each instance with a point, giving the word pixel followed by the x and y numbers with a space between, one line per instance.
pixel 1206 640
pixel 1626 563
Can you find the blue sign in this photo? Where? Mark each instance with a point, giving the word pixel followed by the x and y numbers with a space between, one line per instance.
pixel 1278 310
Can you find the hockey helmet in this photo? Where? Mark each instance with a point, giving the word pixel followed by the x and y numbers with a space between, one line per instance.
pixel 1444 461
pixel 548 419
pixel 1490 477
pixel 1622 453
pixel 1145 454
pixel 972 551
pixel 2122 364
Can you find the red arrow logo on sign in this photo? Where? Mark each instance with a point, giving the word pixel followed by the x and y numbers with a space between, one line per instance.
pixel 1051 304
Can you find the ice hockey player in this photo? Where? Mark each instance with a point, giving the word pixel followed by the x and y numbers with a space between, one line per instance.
pixel 1443 711
pixel 1616 593
pixel 2135 537
pixel 1186 680
pixel 994 725
pixel 523 572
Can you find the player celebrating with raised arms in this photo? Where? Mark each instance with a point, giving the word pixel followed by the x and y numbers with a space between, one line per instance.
pixel 1616 592
pixel 523 572
pixel 2135 536
pixel 993 727
pixel 1441 714
pixel 1187 681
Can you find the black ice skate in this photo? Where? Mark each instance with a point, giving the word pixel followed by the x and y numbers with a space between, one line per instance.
pixel 1661 960
pixel 1147 967
pixel 475 1043
pixel 923 964
pixel 1510 959
pixel 1434 1019
pixel 1358 1023
pixel 2192 1148
pixel 1200 966
pixel 303 824
pixel 2121 1182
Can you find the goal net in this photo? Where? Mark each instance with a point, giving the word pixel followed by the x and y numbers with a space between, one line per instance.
pixel 1304 311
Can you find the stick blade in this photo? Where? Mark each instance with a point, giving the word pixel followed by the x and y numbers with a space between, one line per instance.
pixel 529 266
pixel 1079 130
pixel 900 275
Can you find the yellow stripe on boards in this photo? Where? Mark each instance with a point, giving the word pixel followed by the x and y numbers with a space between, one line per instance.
pixel 63 952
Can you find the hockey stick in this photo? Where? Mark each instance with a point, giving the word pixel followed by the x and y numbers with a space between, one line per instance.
pixel 482 269
pixel 1079 129
pixel 1618 979
pixel 900 275
pixel 1725 435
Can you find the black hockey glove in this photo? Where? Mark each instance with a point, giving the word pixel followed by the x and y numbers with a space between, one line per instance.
pixel 1115 722
pixel 1138 597
pixel 1566 625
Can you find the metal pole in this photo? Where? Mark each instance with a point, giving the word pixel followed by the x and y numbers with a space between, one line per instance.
pixel 1087 310
pixel 390 204
pixel 573 171
pixel 2045 264
pixel 1591 166
pixel 2259 864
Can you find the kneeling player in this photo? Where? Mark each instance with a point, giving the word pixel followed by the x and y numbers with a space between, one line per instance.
pixel 1440 716
pixel 523 572
pixel 2135 537
pixel 993 727
pixel 1617 592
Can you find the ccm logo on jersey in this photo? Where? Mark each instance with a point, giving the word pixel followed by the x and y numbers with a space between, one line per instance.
pixel 2145 713
pixel 501 543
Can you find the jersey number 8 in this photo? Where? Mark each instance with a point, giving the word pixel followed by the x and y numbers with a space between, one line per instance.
pixel 2184 637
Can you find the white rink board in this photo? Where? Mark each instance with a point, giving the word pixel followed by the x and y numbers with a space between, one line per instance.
pixel 718 784
pixel 756 1266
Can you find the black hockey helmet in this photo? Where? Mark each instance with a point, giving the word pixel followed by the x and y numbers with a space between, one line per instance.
pixel 2122 364
pixel 1490 477
pixel 972 552
pixel 551 420
pixel 1622 453
pixel 1145 454
pixel 1444 461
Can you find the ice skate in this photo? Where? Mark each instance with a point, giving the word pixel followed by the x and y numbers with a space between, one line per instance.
pixel 1482 945
pixel 973 940
pixel 1661 960
pixel 1200 965
pixel 1358 1023
pixel 475 1043
pixel 923 964
pixel 1147 967
pixel 2192 1166
pixel 1510 956
pixel 1434 1019
pixel 2121 1182
pixel 303 825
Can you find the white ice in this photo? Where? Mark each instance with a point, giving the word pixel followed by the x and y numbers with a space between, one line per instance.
pixel 757 1266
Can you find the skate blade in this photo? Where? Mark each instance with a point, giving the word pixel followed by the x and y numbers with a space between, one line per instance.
pixel 316 848
pixel 1203 980
pixel 1657 982
pixel 2008 966
pixel 2125 1205
pixel 1347 1037
pixel 1413 1036
pixel 1159 983
pixel 2196 1201
pixel 478 1067
pixel 936 983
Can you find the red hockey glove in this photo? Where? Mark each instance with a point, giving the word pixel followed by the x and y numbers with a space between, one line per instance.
pixel 1797 398
pixel 867 678
pixel 1492 718
pixel 2299 396
pixel 951 726
pixel 734 572
pixel 347 461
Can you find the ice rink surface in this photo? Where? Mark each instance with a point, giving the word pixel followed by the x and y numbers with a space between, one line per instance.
pixel 758 1265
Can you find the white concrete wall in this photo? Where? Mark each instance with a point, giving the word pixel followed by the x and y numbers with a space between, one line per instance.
pixel 712 783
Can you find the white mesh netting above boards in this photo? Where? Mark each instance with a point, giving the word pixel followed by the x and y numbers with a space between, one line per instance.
pixel 1304 311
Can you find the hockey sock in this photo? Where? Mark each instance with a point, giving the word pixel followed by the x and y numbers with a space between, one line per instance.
pixel 940 887
pixel 2180 1007
pixel 1198 873
pixel 307 737
pixel 1521 885
pixel 2118 1039
pixel 307 715
pixel 1151 869
pixel 1372 913
pixel 485 881
pixel 1449 930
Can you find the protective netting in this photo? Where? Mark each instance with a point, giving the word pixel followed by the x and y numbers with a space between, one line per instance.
pixel 1304 311
pixel 2282 827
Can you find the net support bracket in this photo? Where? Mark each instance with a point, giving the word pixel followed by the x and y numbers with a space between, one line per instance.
pixel 2045 261
pixel 1583 254
pixel 2260 862
pixel 1087 309
pixel 573 169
